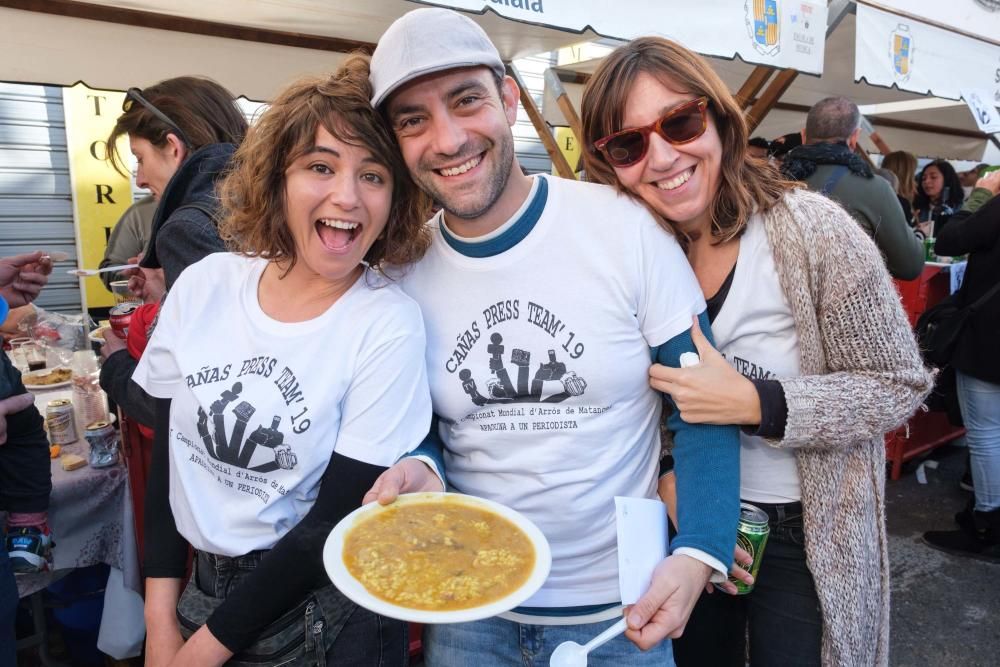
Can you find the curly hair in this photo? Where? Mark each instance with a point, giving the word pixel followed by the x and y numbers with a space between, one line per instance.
pixel 202 109
pixel 746 185
pixel 253 192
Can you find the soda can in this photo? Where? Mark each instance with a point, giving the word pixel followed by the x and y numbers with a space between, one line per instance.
pixel 929 249
pixel 120 316
pixel 751 535
pixel 103 444
pixel 61 421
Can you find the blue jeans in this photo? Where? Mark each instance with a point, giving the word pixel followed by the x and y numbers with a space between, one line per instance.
pixel 8 611
pixel 980 403
pixel 496 642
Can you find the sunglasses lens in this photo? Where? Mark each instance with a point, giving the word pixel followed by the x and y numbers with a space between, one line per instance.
pixel 683 126
pixel 625 148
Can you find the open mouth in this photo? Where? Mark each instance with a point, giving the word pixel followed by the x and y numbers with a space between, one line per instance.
pixel 337 235
pixel 676 181
pixel 471 163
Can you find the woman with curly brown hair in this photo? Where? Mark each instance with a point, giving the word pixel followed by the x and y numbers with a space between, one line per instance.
pixel 815 358
pixel 289 374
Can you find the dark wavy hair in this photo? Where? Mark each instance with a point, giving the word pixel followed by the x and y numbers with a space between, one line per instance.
pixel 253 192
pixel 952 187
pixel 202 109
pixel 746 184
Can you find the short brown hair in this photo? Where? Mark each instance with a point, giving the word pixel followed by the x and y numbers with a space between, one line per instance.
pixel 202 109
pixel 253 192
pixel 746 184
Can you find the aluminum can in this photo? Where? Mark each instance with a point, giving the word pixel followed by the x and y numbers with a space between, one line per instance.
pixel 751 535
pixel 929 249
pixel 103 444
pixel 61 421
pixel 120 316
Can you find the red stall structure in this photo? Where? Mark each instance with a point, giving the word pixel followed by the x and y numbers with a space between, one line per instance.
pixel 927 429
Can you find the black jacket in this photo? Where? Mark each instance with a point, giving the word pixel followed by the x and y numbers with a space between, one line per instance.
pixel 978 235
pixel 183 227
pixel 184 232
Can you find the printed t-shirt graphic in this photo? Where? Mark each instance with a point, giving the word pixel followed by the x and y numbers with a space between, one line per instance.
pixel 259 406
pixel 538 360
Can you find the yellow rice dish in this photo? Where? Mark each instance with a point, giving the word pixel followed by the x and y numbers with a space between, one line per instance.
pixel 438 556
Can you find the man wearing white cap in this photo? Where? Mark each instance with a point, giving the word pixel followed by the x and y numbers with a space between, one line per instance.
pixel 542 299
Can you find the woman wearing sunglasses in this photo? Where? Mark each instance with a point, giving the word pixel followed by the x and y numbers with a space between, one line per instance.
pixel 182 132
pixel 817 358
pixel 288 375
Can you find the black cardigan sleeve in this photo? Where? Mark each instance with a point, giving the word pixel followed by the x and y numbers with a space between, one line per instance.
pixel 116 381
pixel 165 550
pixel 296 560
pixel 970 232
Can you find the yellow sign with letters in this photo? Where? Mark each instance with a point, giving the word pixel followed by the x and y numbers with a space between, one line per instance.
pixel 569 147
pixel 100 194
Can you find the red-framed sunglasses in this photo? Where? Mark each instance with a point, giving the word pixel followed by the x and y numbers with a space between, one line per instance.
pixel 682 124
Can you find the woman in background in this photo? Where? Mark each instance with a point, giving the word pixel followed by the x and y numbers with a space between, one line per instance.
pixel 939 195
pixel 182 132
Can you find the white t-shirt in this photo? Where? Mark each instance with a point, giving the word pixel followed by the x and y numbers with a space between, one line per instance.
pixel 755 331
pixel 538 361
pixel 259 406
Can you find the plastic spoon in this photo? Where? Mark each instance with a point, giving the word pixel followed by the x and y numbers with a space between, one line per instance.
pixel 56 256
pixel 94 272
pixel 571 654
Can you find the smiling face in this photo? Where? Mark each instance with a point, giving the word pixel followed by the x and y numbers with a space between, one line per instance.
pixel 679 182
pixel 337 202
pixel 454 131
pixel 155 166
pixel 932 181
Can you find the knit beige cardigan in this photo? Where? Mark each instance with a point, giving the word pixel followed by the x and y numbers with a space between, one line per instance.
pixel 862 376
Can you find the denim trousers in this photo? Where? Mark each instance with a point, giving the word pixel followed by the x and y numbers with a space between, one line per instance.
pixel 980 402
pixel 325 628
pixel 496 642
pixel 780 616
pixel 8 611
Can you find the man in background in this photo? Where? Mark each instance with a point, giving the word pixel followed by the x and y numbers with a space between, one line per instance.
pixel 128 237
pixel 828 164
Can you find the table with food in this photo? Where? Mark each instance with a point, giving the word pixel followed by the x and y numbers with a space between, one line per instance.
pixel 90 508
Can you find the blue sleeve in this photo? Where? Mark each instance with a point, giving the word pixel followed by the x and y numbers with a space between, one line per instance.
pixel 707 462
pixel 432 447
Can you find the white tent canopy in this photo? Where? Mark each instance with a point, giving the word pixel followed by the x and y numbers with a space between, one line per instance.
pixel 929 127
pixel 893 50
pixel 106 44
pixel 768 32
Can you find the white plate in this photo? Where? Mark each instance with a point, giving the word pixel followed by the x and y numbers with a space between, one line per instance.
pixel 95 338
pixel 355 590
pixel 27 377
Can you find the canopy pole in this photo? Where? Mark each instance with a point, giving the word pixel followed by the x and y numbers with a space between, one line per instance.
pixel 565 104
pixel 558 160
pixel 748 91
pixel 769 98
pixel 836 12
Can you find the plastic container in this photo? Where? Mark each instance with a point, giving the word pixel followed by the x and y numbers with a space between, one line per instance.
pixel 89 400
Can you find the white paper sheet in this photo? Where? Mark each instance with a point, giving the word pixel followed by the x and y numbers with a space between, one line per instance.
pixel 642 543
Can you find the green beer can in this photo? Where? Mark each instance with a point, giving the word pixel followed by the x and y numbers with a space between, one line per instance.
pixel 751 534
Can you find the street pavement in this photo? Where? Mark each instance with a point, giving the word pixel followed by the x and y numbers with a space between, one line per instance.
pixel 945 609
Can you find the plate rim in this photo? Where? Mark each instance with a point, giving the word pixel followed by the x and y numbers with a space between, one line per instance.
pixel 357 593
pixel 55 385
